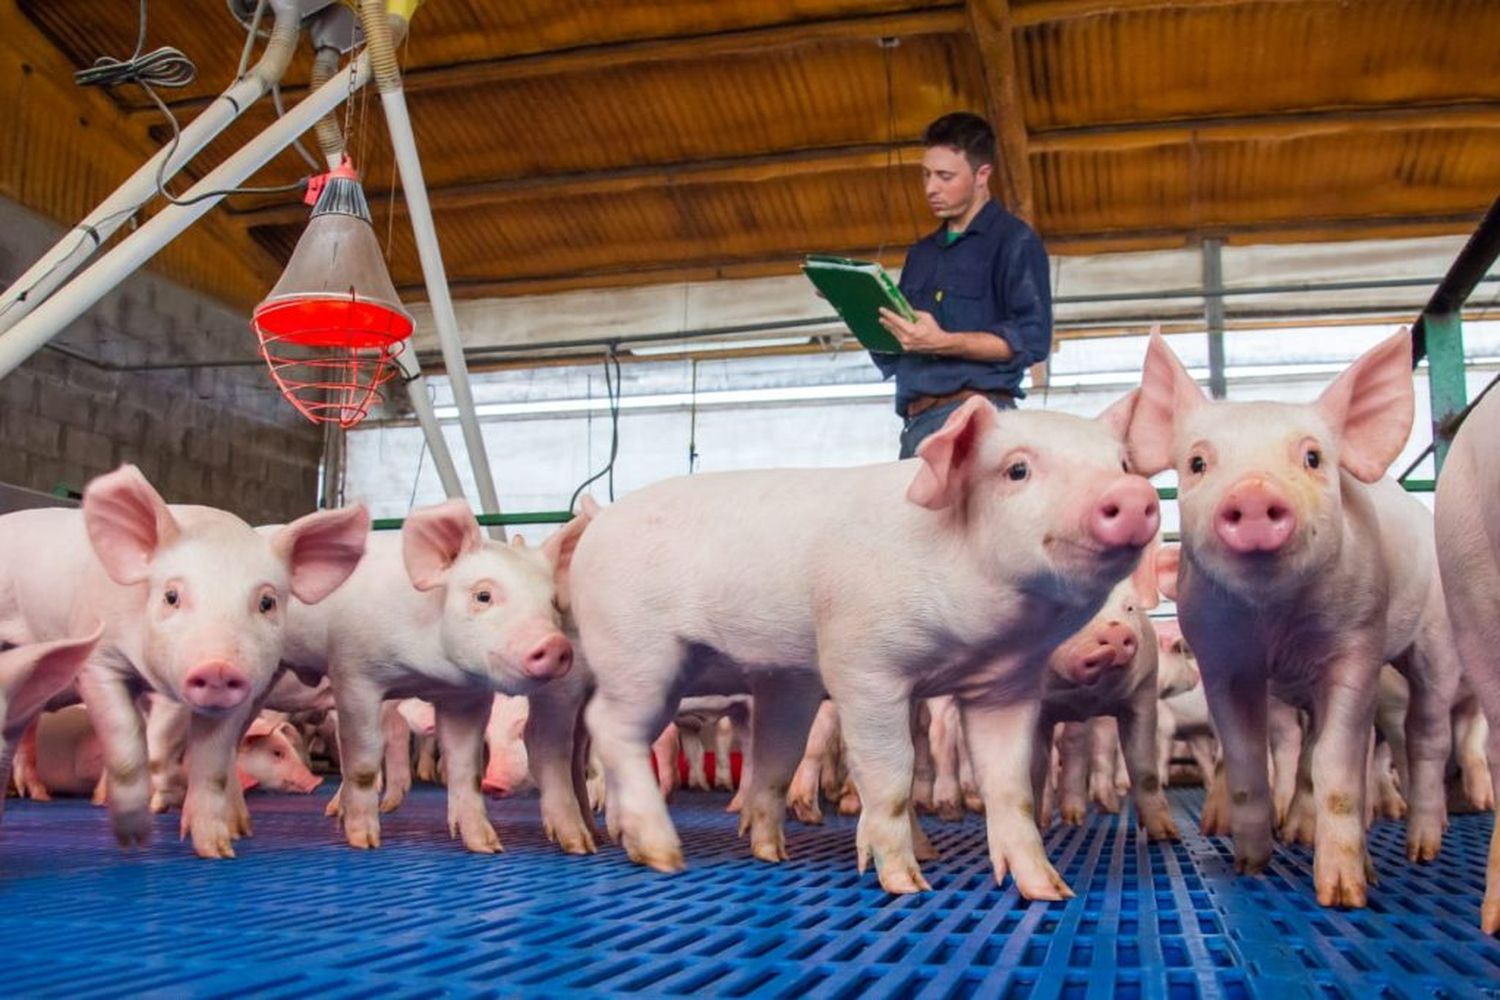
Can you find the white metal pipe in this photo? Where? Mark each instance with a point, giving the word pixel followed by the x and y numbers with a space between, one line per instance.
pixel 79 243
pixel 437 445
pixel 419 211
pixel 26 337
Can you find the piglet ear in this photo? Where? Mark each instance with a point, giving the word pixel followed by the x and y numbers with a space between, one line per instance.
pixel 434 538
pixel 1167 395
pixel 30 675
pixel 1370 405
pixel 322 549
pixel 1144 579
pixel 950 456
pixel 1168 560
pixel 128 523
pixel 260 727
pixel 559 548
pixel 1117 415
pixel 518 542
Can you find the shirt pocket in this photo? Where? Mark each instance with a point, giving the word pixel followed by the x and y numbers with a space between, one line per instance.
pixel 967 298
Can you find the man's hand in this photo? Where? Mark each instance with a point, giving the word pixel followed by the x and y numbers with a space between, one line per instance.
pixel 922 337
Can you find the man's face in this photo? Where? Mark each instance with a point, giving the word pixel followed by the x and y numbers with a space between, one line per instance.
pixel 951 185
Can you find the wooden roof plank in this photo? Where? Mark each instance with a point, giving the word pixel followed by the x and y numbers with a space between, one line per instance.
pixel 990 24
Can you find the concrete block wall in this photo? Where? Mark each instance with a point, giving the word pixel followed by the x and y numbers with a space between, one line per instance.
pixel 161 376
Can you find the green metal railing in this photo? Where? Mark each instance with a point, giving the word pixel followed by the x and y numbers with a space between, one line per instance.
pixel 1438 335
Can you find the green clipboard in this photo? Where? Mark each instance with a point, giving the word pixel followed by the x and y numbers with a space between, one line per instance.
pixel 857 289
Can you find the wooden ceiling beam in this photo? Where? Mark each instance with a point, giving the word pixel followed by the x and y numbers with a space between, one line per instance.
pixel 1049 11
pixel 740 170
pixel 1279 127
pixel 946 20
pixel 1311 230
pixel 991 26
pixel 1301 230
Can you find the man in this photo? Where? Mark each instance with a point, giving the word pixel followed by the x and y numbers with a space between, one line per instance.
pixel 978 285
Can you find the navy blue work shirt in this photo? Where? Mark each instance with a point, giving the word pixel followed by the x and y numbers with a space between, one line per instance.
pixel 993 277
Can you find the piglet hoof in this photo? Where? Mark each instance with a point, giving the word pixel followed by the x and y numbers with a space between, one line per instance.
pixel 335 805
pixel 1391 805
pixel 1424 839
pixel 737 803
pixel 390 803
pixel 363 834
pixel 32 788
pixel 1159 826
pixel 950 811
pixel 1489 914
pixel 1341 880
pixel 771 850
pixel 1479 790
pixel 1073 814
pixel 132 828
pixel 902 880
pixel 211 838
pixel 478 835
pixel 665 858
pixel 1251 859
pixel 807 810
pixel 921 847
pixel 1107 801
pixel 849 805
pixel 572 838
pixel 973 803
pixel 1034 878
pixel 1301 826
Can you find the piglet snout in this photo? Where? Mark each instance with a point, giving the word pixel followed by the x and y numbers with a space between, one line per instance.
pixel 1119 637
pixel 552 657
pixel 216 686
pixel 1126 514
pixel 1254 516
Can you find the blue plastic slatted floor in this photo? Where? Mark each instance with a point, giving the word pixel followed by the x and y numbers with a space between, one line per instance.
pixel 298 915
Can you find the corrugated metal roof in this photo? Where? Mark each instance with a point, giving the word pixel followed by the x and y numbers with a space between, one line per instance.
pixel 573 142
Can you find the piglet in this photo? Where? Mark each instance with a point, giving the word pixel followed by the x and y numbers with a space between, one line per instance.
pixel 29 676
pixel 953 572
pixel 270 759
pixel 441 613
pixel 1468 536
pixel 193 603
pixel 1303 570
pixel 1109 668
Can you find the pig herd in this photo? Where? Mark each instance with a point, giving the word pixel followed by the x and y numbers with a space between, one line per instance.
pixel 988 596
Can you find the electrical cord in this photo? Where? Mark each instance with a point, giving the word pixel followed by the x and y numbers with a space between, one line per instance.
pixel 163 67
pixel 612 386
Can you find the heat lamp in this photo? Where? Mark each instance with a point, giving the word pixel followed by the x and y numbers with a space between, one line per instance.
pixel 333 326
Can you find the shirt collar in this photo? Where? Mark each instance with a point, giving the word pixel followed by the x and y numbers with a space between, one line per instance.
pixel 981 223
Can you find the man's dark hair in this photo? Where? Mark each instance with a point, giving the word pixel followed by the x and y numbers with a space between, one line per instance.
pixel 966 132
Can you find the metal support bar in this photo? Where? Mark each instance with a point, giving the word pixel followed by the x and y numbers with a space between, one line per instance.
pixel 404 142
pixel 432 431
pixel 1469 268
pixel 74 299
pixel 1213 314
pixel 1445 377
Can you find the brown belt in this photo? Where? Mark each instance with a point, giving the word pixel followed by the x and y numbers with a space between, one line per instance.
pixel 922 404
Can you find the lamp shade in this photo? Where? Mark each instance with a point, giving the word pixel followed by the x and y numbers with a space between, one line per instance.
pixel 331 328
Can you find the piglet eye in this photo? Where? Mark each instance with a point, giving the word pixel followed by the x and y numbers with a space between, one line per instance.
pixel 1197 466
pixel 1018 471
pixel 170 597
pixel 1313 458
pixel 483 597
pixel 267 603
